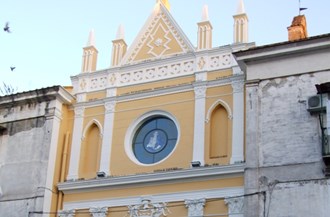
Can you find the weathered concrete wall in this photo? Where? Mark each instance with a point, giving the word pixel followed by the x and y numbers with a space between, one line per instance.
pixel 288 133
pixel 24 152
pixel 299 199
pixel 283 145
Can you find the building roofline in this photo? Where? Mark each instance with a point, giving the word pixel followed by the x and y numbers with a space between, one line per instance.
pixel 38 95
pixel 285 44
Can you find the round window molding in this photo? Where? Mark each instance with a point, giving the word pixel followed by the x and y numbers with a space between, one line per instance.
pixel 152 138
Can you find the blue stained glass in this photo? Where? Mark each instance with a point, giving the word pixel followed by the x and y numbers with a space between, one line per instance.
pixel 155 140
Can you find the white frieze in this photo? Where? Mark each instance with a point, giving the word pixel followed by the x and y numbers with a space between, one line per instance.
pixel 148 209
pixel 152 74
pixel 235 205
pixel 195 207
pixel 221 61
pixel 67 213
pixel 188 66
pixel 99 211
pixel 147 73
pixel 83 84
pixel 98 83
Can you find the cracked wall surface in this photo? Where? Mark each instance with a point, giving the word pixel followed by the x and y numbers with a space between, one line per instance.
pixel 24 151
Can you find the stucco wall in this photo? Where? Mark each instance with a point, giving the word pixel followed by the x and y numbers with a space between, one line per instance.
pixel 283 148
pixel 24 153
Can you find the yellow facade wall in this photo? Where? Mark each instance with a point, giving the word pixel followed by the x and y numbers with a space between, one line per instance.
pixel 95 95
pixel 155 85
pixel 145 189
pixel 215 75
pixel 62 153
pixel 180 105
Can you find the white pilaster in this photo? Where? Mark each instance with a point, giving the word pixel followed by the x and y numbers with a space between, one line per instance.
pixel 195 207
pixel 238 123
pixel 76 143
pixel 54 117
pixel 328 115
pixel 98 211
pixel 107 137
pixel 199 126
pixel 235 206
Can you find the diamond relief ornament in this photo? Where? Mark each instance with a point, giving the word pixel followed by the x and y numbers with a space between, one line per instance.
pixel 201 63
pixel 159 45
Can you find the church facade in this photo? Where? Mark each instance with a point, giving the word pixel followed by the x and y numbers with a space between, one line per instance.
pixel 161 132
pixel 172 129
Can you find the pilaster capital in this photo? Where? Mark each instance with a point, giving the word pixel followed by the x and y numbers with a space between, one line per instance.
pixel 235 204
pixel 146 208
pixel 110 106
pixel 79 112
pixel 195 207
pixel 238 86
pixel 67 213
pixel 200 92
pixel 98 211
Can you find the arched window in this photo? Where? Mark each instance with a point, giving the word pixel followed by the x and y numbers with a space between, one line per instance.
pixel 219 132
pixel 90 153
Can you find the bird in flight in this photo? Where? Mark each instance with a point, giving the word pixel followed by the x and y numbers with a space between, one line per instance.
pixel 6 28
pixel 12 68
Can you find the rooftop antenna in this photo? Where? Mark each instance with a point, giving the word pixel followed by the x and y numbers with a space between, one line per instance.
pixel 300 8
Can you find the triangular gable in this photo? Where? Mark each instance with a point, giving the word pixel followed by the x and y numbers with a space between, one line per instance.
pixel 161 36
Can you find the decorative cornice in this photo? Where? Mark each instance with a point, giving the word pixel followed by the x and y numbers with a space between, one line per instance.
pixel 157 198
pixel 155 70
pixel 38 96
pixel 164 91
pixel 156 178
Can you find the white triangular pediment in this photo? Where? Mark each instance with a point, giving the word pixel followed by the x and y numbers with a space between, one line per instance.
pixel 161 36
